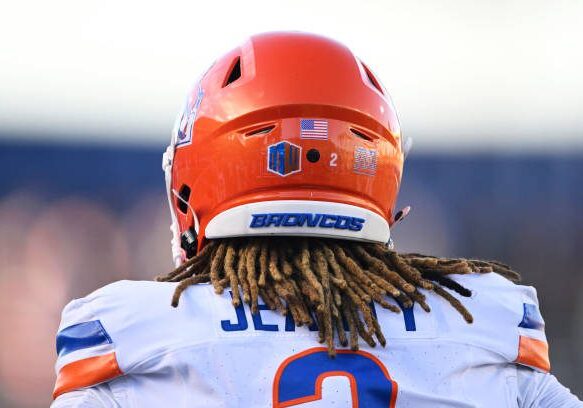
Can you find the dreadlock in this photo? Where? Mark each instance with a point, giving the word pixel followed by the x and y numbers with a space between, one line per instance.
pixel 328 282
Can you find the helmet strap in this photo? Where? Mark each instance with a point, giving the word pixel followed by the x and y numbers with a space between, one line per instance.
pixel 401 214
pixel 188 242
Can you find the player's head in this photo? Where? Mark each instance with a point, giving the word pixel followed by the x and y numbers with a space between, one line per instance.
pixel 287 134
pixel 282 177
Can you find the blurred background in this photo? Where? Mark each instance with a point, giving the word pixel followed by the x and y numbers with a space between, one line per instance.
pixel 491 93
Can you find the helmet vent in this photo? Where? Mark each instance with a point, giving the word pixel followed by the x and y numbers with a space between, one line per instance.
pixel 261 131
pixel 234 72
pixel 182 199
pixel 361 135
pixel 374 82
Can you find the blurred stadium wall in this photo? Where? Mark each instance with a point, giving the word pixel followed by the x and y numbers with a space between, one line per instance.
pixel 73 218
pixel 491 91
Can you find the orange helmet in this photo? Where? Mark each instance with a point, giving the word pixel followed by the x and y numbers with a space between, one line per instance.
pixel 288 134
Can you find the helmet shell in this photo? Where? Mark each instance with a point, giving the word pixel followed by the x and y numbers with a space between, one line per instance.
pixel 288 134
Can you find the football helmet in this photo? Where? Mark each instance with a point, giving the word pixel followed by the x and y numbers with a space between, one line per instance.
pixel 288 134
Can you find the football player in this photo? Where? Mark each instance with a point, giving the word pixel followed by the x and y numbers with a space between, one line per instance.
pixel 282 176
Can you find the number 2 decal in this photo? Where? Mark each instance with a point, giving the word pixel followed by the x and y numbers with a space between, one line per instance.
pixel 299 378
pixel 333 158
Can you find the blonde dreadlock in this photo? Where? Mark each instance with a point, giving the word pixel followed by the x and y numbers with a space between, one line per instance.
pixel 329 281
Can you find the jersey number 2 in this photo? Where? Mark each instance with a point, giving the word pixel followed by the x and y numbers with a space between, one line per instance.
pixel 299 378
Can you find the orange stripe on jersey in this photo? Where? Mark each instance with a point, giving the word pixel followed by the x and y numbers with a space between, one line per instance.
pixel 533 353
pixel 85 373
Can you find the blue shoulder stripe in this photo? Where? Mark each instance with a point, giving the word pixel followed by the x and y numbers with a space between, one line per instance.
pixel 531 319
pixel 80 336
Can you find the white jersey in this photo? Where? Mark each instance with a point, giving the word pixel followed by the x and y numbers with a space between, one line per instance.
pixel 206 353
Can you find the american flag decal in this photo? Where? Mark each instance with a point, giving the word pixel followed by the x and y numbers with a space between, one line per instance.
pixel 314 129
pixel 365 161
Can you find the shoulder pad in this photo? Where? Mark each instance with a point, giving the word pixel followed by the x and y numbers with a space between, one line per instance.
pixel 507 320
pixel 85 350
pixel 533 349
pixel 110 332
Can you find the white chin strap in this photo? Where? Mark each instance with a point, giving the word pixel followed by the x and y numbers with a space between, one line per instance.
pixel 178 255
